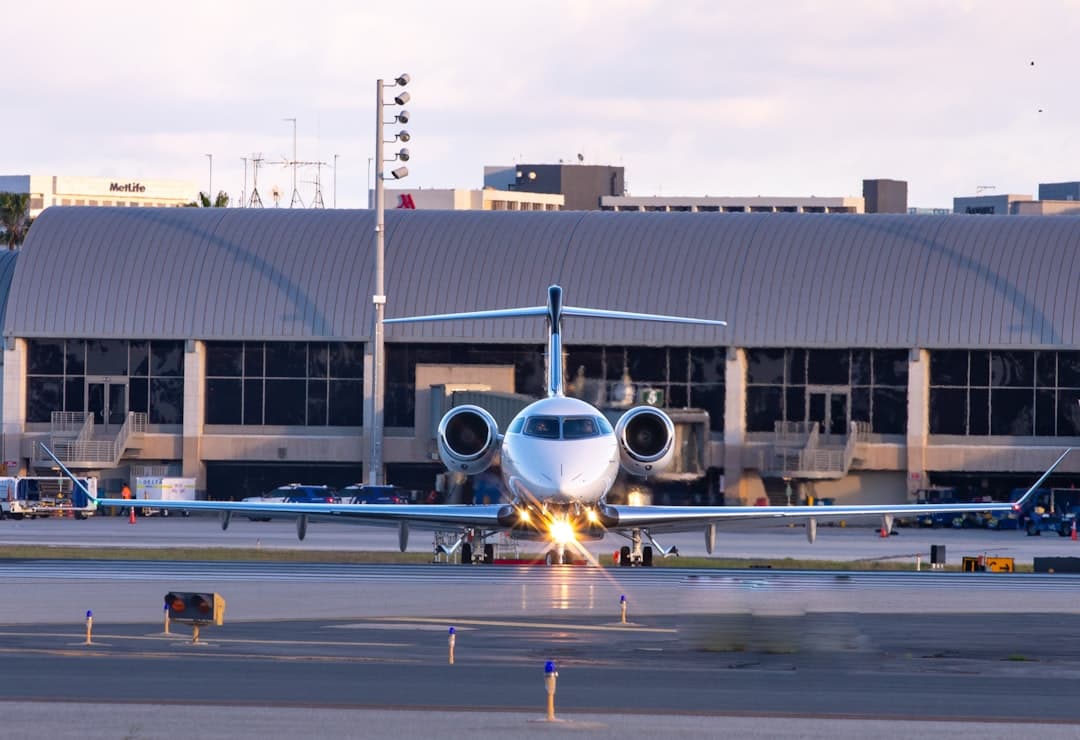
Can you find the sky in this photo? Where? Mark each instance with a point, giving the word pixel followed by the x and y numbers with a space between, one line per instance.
pixel 721 98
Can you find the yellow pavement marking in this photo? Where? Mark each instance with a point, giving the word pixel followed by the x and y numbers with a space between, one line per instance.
pixel 538 625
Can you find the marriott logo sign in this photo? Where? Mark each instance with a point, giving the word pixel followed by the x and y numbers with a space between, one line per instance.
pixel 127 187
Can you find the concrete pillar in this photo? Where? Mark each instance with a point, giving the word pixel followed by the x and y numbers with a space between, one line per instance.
pixel 918 415
pixel 194 412
pixel 14 402
pixel 735 483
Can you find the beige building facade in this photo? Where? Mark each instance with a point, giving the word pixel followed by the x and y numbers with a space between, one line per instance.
pixel 63 190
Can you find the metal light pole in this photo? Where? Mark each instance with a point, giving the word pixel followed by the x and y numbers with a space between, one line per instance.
pixel 335 180
pixel 378 298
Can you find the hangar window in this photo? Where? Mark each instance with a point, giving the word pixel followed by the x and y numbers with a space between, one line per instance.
pixel 676 377
pixel 830 386
pixel 670 377
pixel 284 383
pixel 402 359
pixel 106 378
pixel 1006 393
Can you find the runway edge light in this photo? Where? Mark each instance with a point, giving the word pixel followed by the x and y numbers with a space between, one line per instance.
pixel 550 677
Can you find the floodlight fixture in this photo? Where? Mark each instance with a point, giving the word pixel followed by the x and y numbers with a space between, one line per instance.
pixel 403 155
pixel 402 80
pixel 400 172
pixel 402 117
pixel 403 135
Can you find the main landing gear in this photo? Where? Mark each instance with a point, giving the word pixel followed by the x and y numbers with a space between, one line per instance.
pixel 638 555
pixel 483 555
pixel 472 545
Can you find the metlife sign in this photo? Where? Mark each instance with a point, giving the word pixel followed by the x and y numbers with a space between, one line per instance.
pixel 127 187
pixel 104 188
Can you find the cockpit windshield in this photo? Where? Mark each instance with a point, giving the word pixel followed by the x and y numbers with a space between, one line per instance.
pixel 546 427
pixel 579 427
pixel 571 427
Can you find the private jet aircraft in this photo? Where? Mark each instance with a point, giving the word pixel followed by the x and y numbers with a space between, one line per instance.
pixel 559 458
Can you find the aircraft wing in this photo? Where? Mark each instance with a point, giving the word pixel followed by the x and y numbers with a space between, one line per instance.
pixel 434 517
pixel 420 516
pixel 684 518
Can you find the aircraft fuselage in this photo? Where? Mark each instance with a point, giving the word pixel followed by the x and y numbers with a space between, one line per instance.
pixel 559 451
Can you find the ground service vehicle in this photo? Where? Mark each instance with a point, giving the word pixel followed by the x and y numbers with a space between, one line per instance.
pixel 36 496
pixel 1053 511
pixel 151 488
pixel 359 493
pixel 295 493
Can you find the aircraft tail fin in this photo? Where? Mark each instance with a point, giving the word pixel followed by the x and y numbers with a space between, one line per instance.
pixel 554 311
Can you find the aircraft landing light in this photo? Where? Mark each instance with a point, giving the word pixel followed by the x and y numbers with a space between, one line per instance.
pixel 562 532
pixel 592 516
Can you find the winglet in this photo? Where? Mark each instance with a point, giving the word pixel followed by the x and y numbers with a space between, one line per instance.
pixel 89 496
pixel 1027 495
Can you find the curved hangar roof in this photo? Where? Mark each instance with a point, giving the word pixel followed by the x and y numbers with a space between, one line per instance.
pixel 780 280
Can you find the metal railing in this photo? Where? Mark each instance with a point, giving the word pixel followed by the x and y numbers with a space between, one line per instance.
pixel 810 460
pixel 67 422
pixel 135 423
pixel 793 433
pixel 83 448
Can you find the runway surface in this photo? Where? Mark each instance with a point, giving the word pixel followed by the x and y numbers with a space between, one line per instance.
pixel 762 541
pixel 315 649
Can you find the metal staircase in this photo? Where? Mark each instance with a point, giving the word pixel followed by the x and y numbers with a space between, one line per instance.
pixel 74 439
pixel 799 452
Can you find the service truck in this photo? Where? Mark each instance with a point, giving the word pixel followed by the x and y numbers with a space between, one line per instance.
pixel 148 488
pixel 35 496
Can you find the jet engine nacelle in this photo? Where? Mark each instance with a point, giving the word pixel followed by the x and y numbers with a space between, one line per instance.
pixel 646 437
pixel 468 439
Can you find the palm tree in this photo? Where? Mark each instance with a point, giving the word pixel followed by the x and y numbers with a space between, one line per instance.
pixel 15 217
pixel 221 201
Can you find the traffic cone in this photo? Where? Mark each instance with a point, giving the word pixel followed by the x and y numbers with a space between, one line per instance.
pixel 1073 537
pixel 131 515
pixel 884 532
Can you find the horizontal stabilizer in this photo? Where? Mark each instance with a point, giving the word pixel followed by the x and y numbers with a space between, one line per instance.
pixel 517 313
pixel 499 313
pixel 599 313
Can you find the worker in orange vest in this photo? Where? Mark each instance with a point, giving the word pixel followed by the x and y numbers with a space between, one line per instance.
pixel 125 493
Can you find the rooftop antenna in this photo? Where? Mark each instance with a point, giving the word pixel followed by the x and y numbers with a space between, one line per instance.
pixel 982 188
pixel 317 201
pixel 256 199
pixel 295 193
pixel 275 193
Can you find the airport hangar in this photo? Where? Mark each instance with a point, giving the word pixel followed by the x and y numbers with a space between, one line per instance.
pixel 867 356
